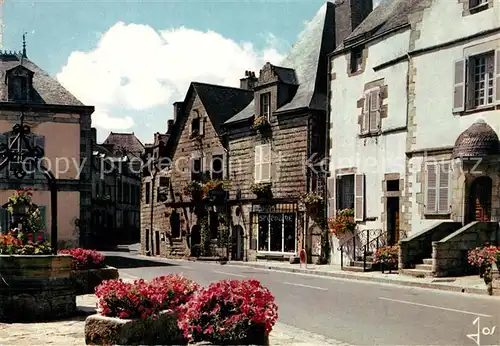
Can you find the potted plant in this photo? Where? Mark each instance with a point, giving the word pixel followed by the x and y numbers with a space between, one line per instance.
pixel 261 124
pixel 342 223
pixel 213 189
pixel 312 201
pixel 261 190
pixel 387 256
pixel 483 257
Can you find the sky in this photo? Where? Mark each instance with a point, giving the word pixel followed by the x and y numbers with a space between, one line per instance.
pixel 133 59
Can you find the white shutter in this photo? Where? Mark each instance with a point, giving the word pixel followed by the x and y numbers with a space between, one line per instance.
pixel 497 76
pixel 202 126
pixel 257 167
pixel 365 117
pixel 266 162
pixel 431 181
pixel 459 85
pixel 359 197
pixel 444 188
pixel 225 173
pixel 375 110
pixel 331 196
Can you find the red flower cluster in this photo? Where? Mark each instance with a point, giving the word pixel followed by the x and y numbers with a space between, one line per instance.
pixel 228 311
pixel 24 243
pixel 343 222
pixel 143 299
pixel 387 254
pixel 486 255
pixel 84 258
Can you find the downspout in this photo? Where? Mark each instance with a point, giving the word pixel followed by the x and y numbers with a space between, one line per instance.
pixel 308 186
pixel 153 201
pixel 326 160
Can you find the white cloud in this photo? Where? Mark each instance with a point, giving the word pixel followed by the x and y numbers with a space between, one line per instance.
pixel 136 68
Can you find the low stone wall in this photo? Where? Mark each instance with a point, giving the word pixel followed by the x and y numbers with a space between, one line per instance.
pixel 449 255
pixel 35 288
pixel 86 281
pixel 415 248
pixel 103 330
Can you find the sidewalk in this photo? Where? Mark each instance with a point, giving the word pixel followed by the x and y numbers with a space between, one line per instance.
pixel 71 332
pixel 466 284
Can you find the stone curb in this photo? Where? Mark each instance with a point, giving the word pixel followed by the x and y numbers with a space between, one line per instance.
pixel 436 286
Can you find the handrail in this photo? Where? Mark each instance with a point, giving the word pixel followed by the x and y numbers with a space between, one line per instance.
pixel 353 239
pixel 366 246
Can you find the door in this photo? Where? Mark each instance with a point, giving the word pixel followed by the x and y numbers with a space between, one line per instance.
pixel 392 220
pixel 480 200
pixel 147 240
pixel 237 248
pixel 195 240
pixel 175 224
pixel 157 243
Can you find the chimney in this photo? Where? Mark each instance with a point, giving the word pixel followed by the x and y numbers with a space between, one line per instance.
pixel 348 15
pixel 93 131
pixel 170 125
pixel 177 109
pixel 248 83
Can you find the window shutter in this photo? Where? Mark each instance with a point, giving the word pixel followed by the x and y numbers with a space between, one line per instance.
pixel 3 141
pixel 359 194
pixel 202 126
pixel 444 188
pixel 266 162
pixel 258 174
pixel 459 86
pixel 331 196
pixel 190 126
pixel 365 117
pixel 338 192
pixel 43 215
pixel 431 175
pixel 375 110
pixel 224 166
pixel 497 76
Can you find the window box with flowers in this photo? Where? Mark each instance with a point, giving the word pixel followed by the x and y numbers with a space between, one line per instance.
pixel 387 257
pixel 261 190
pixel 214 190
pixel 30 271
pixel 140 312
pixel 261 124
pixel 312 201
pixel 343 223
pixel 88 269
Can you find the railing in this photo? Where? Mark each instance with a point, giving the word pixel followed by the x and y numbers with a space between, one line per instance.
pixel 377 241
pixel 365 246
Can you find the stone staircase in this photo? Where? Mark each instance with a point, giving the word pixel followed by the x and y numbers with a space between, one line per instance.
pixel 177 249
pixel 357 265
pixel 420 270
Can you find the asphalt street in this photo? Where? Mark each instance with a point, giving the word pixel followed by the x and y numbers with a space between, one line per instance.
pixel 358 313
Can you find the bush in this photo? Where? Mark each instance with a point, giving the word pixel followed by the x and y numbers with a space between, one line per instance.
pixel 143 299
pixel 84 258
pixel 229 311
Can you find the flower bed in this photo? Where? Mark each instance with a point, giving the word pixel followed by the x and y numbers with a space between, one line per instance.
pixel 88 269
pixel 387 257
pixel 230 312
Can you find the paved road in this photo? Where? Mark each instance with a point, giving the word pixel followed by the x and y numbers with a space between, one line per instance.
pixel 358 313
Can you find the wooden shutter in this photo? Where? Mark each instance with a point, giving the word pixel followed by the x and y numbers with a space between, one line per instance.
pixel 359 197
pixel 365 117
pixel 43 215
pixel 444 188
pixel 266 162
pixel 431 182
pixel 459 85
pixel 224 166
pixel 331 196
pixel 202 126
pixel 257 167
pixel 375 110
pixel 3 140
pixel 497 76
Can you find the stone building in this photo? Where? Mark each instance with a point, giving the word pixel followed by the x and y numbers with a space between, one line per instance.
pixel 192 150
pixel 116 182
pixel 434 148
pixel 286 155
pixel 60 124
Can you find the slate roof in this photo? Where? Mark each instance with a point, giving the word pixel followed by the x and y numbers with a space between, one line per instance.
pixel 387 16
pixel 308 60
pixel 479 140
pixel 126 141
pixel 47 90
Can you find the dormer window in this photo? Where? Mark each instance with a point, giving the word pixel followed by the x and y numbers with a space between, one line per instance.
pixel 19 83
pixel 356 59
pixel 265 105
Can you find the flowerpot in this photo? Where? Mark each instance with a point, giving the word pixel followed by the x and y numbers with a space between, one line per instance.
pixel 162 330
pixel 482 270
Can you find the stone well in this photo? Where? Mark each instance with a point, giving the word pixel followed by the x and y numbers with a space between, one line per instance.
pixel 36 287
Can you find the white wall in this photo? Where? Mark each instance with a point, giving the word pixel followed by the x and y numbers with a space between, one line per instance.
pixel 373 156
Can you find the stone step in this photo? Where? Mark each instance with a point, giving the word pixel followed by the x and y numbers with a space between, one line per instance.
pixel 427 267
pixel 368 258
pixel 428 261
pixel 417 272
pixel 360 264
pixel 353 269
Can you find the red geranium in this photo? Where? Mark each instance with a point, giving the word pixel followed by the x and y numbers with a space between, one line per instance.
pixel 228 311
pixel 84 258
pixel 342 222
pixel 485 255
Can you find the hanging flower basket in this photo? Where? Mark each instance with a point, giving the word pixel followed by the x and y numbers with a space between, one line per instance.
pixel 342 223
pixel 312 201
pixel 261 190
pixel 261 124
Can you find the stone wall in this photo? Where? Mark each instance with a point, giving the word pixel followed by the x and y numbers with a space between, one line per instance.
pixel 419 246
pixel 449 255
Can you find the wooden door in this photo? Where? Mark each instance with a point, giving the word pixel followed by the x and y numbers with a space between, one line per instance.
pixel 480 199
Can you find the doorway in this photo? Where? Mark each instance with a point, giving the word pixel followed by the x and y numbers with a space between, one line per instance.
pixel 157 243
pixel 392 220
pixel 480 200
pixel 147 240
pixel 238 247
pixel 195 241
pixel 175 224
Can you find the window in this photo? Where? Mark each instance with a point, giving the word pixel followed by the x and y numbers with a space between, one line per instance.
pixel 217 167
pixel 164 181
pixel 20 164
pixel 195 126
pixel 277 232
pixel 148 192
pixel 477 3
pixel 356 59
pixel 392 185
pixel 262 163
pixel 196 170
pixel 350 191
pixel 437 184
pixel 370 119
pixel 265 105
pixel 475 79
pixel 18 88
